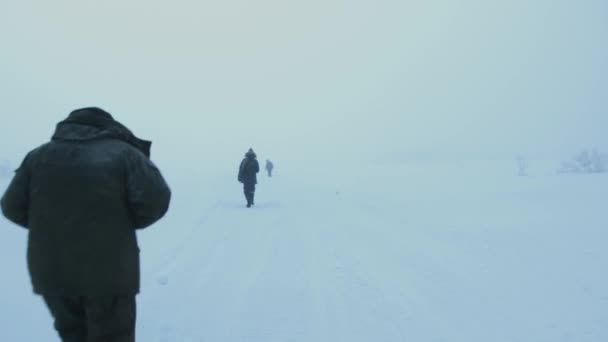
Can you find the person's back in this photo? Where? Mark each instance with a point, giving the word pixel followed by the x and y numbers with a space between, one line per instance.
pixel 248 170
pixel 269 166
pixel 81 196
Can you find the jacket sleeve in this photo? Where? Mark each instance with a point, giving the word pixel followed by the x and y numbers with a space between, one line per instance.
pixel 240 176
pixel 15 201
pixel 148 195
pixel 257 167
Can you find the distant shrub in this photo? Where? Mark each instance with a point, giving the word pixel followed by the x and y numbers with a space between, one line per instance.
pixel 585 162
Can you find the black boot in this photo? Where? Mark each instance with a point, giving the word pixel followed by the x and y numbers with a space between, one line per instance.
pixel 248 200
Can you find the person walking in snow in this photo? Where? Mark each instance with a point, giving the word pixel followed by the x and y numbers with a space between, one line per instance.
pixel 269 166
pixel 248 175
pixel 82 196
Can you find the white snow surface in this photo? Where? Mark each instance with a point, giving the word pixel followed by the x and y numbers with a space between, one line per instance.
pixel 390 252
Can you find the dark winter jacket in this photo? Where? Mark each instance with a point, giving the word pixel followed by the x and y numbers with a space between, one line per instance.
pixel 81 196
pixel 248 169
pixel 269 165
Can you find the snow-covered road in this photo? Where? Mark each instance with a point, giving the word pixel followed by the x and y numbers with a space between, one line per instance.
pixel 385 254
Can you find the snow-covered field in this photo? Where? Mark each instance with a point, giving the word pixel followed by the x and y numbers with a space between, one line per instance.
pixel 455 252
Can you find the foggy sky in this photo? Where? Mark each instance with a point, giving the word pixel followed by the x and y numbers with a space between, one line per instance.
pixel 340 78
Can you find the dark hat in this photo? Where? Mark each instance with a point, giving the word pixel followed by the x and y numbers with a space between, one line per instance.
pixel 250 153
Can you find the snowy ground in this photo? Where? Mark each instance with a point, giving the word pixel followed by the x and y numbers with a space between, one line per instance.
pixel 456 252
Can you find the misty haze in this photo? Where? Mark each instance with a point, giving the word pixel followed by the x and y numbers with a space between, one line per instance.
pixel 440 168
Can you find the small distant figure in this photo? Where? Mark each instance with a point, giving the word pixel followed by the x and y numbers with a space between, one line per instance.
pixel 522 166
pixel 269 167
pixel 248 175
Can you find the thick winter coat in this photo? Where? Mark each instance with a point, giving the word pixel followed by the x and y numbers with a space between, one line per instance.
pixel 269 166
pixel 248 169
pixel 82 196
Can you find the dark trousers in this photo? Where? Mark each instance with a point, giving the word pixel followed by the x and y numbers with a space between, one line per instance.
pixel 249 191
pixel 94 319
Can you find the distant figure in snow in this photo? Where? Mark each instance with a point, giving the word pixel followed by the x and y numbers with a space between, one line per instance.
pixel 247 175
pixel 81 197
pixel 269 167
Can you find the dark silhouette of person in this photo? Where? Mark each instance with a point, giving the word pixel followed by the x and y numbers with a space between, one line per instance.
pixel 248 175
pixel 269 166
pixel 82 196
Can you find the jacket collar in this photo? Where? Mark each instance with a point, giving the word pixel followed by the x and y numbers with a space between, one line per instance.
pixel 94 123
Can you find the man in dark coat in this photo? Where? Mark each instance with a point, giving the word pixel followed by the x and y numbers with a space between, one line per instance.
pixel 269 167
pixel 82 196
pixel 247 175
